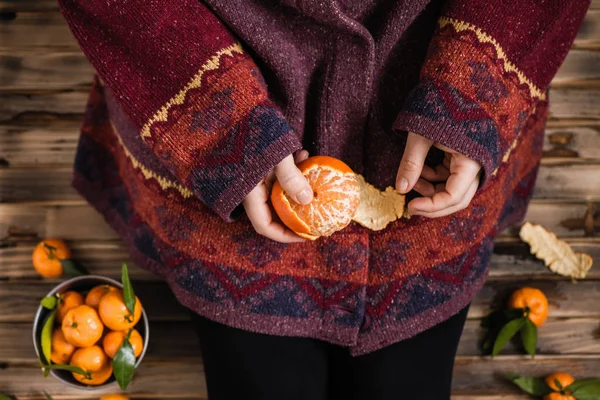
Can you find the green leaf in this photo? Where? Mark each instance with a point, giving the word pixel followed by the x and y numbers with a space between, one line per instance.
pixel 48 397
pixel 46 337
pixel 4 397
pixel 581 382
pixel 514 313
pixel 506 334
pixel 529 336
pixel 533 386
pixel 49 302
pixel 558 384
pixel 65 367
pixel 128 294
pixel 586 390
pixel 124 363
pixel 72 268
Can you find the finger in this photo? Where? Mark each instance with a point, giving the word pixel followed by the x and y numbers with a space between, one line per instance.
pixel 424 188
pixel 269 181
pixel 463 173
pixel 412 162
pixel 451 210
pixel 440 173
pixel 300 156
pixel 292 181
pixel 261 217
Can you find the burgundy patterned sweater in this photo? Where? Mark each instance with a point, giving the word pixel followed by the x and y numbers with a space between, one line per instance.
pixel 196 102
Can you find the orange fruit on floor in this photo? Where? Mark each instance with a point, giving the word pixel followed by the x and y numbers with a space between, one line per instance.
pixel 114 312
pixel 336 197
pixel 559 394
pixel 47 255
pixel 114 397
pixel 534 300
pixel 82 326
pixel 67 301
pixel 113 340
pixel 94 296
pixel 61 349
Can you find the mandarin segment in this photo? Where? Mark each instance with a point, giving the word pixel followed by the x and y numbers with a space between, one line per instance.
pixel 532 299
pixel 114 397
pixel 114 312
pixel 336 198
pixel 46 257
pixel 82 326
pixel 94 296
pixel 67 301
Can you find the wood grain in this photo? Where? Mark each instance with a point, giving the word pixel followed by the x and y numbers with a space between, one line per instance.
pixel 68 102
pixel 575 336
pixel 40 70
pixel 19 300
pixel 511 260
pixel 476 376
pixel 571 102
pixel 579 65
pixel 565 181
pixel 82 222
pixel 49 30
pixel 28 5
pixel 43 141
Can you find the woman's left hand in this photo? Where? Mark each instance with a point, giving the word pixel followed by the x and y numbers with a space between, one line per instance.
pixel 448 188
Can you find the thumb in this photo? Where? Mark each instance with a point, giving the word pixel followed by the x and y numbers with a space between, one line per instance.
pixel 293 182
pixel 412 162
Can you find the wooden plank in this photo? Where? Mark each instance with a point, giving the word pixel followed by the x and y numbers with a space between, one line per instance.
pixel 589 32
pixel 574 103
pixel 565 181
pixel 44 71
pixel 54 142
pixel 49 30
pixel 46 30
pixel 19 300
pixel 82 222
pixel 579 65
pixel 99 257
pixel 473 376
pixel 154 380
pixel 7 6
pixel 565 102
pixel 576 336
pixel 568 182
pixel 24 145
pixel 511 260
pixel 69 102
pixel 35 70
pixel 582 142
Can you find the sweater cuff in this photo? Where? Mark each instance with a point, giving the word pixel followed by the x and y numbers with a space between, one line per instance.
pixel 470 98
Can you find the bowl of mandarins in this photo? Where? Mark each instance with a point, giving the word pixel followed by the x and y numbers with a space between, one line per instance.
pixel 91 332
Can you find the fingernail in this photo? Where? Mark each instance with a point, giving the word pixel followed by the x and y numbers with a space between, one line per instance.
pixel 305 196
pixel 403 185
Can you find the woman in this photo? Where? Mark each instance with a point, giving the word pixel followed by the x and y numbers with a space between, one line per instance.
pixel 200 105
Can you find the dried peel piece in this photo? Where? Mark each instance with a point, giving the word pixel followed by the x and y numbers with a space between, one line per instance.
pixel 378 208
pixel 556 254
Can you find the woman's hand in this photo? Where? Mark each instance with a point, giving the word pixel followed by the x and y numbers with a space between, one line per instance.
pixel 257 204
pixel 456 180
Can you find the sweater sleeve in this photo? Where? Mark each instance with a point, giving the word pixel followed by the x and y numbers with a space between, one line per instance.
pixel 489 64
pixel 197 98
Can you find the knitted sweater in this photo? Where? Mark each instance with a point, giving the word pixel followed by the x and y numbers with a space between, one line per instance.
pixel 198 101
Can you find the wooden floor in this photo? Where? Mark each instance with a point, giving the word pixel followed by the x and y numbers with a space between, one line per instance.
pixel 44 80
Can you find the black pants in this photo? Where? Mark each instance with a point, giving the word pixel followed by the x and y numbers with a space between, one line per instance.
pixel 250 366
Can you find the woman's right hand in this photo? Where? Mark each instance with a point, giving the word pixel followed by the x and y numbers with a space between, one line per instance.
pixel 257 202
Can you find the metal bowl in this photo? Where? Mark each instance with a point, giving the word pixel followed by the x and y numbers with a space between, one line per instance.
pixel 83 284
